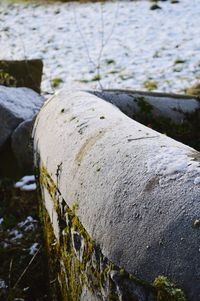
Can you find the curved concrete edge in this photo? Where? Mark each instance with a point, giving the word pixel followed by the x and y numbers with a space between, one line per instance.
pixel 22 146
pixel 176 107
pixel 134 191
pixel 176 115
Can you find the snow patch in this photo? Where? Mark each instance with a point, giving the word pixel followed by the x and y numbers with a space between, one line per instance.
pixel 27 183
pixel 33 248
pixel 16 234
pixel 197 180
pixel 28 220
pixel 3 284
pixel 174 162
pixel 28 225
pixel 29 187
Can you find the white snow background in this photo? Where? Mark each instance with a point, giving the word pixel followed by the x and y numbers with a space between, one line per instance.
pixel 130 42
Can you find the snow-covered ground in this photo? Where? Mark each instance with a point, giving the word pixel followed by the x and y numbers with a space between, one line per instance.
pixel 133 46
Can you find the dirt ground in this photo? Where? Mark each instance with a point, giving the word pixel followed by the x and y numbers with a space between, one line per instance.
pixel 23 274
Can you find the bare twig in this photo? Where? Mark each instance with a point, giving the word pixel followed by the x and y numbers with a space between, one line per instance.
pixel 9 274
pixel 104 42
pixel 26 269
pixel 83 39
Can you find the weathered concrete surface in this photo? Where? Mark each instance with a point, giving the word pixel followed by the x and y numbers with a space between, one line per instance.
pixel 172 106
pixel 17 105
pixel 176 115
pixel 136 193
pixel 22 145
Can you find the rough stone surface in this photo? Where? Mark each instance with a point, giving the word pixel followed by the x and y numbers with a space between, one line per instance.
pixel 16 105
pixel 136 191
pixel 22 146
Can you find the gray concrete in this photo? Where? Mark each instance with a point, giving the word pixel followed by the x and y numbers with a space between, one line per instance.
pixel 172 106
pixel 137 191
pixel 16 105
pixel 22 145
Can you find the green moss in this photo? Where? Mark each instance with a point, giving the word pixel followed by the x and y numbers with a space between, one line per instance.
pixel 196 224
pixel 179 61
pixel 110 61
pixel 75 260
pixel 96 78
pixel 113 71
pixel 186 132
pixel 7 80
pixel 167 291
pixel 55 82
pixel 150 85
pixel 144 106
pixel 22 73
pixel 194 90
pixel 84 81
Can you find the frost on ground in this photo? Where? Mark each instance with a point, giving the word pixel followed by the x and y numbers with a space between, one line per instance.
pixel 123 44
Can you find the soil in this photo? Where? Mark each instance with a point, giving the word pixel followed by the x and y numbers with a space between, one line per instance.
pixel 22 256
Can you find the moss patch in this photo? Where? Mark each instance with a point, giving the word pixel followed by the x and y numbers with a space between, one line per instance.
pixel 77 263
pixel 24 73
pixel 167 291
pixel 186 132
pixel 150 85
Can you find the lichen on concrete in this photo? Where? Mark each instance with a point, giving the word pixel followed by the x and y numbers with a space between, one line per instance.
pixel 76 263
pixel 186 132
pixel 167 291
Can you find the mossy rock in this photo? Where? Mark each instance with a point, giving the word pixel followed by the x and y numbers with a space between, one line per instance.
pixel 24 73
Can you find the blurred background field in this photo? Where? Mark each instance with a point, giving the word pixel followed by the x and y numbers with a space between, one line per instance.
pixel 111 44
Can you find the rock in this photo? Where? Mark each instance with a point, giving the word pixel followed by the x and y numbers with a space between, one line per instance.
pixel 120 202
pixel 16 106
pixel 26 73
pixel 22 146
pixel 194 90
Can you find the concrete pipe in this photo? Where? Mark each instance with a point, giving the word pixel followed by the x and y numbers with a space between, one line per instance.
pixel 120 204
